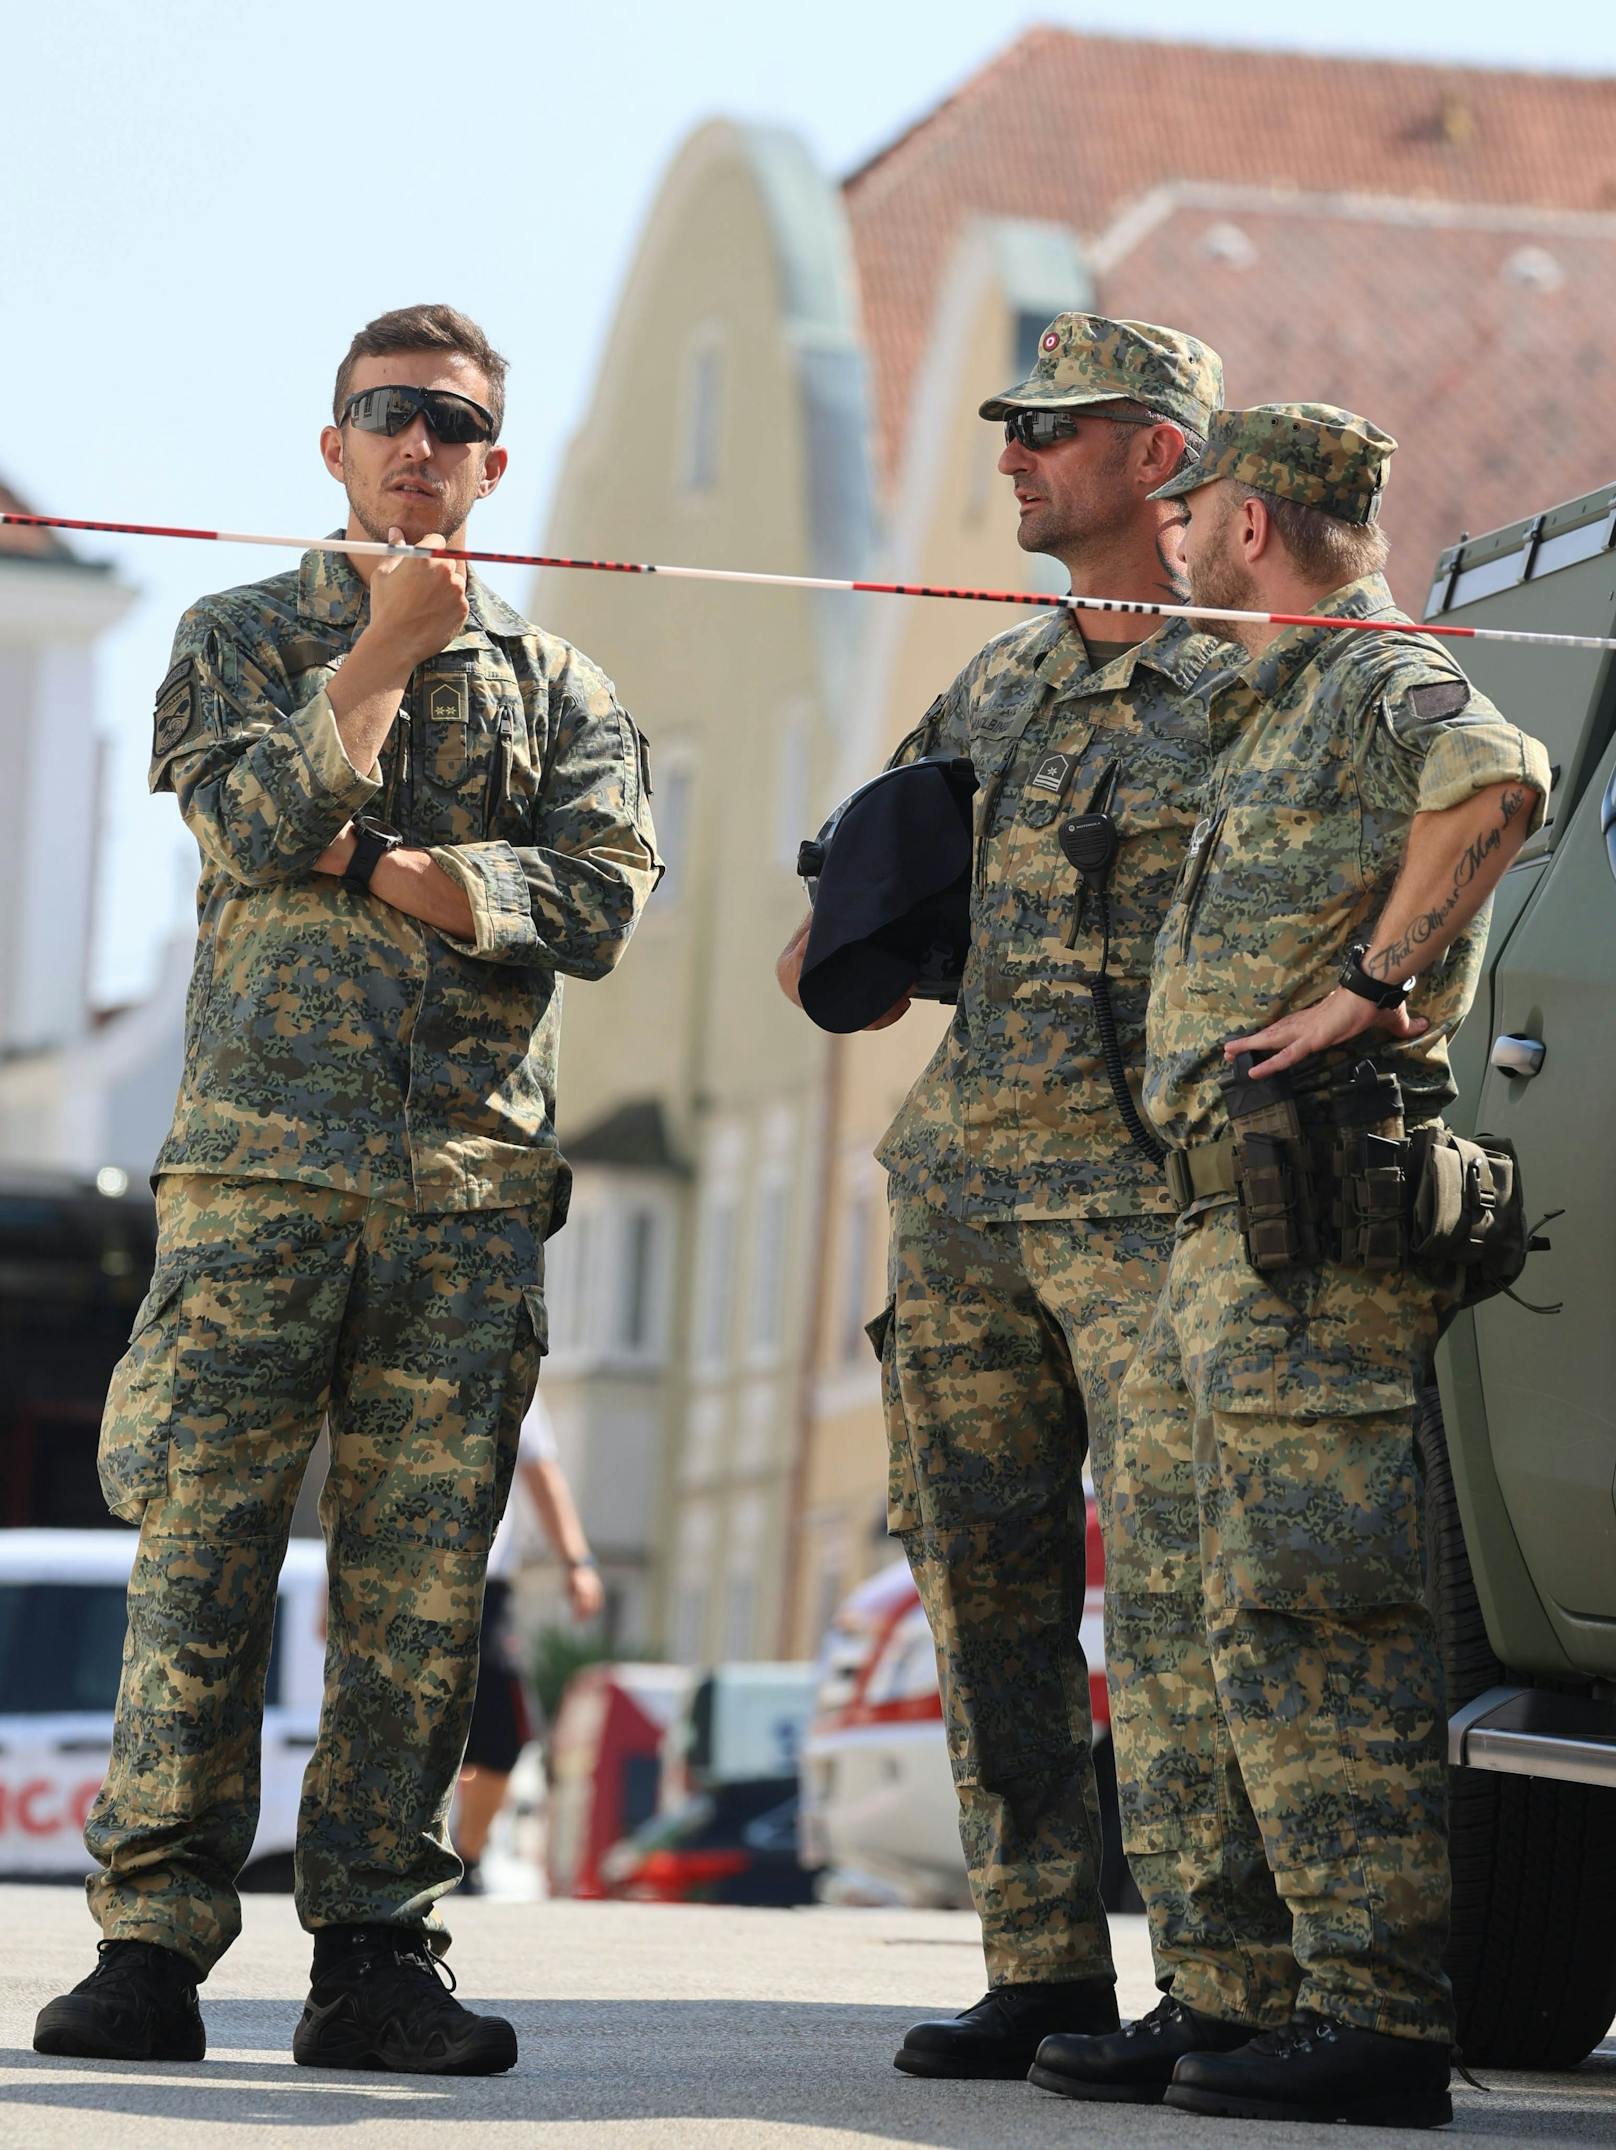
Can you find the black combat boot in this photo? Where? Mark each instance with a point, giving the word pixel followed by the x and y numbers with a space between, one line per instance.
pixel 1133 2066
pixel 139 2003
pixel 999 2036
pixel 378 2001
pixel 1314 2068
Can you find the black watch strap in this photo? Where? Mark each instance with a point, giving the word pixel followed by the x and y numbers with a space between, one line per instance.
pixel 1357 980
pixel 372 842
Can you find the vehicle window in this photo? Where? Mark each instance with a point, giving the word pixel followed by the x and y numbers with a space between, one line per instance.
pixel 639 1790
pixel 61 1647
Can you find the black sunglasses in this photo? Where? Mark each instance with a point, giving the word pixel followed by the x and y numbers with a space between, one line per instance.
pixel 455 419
pixel 1038 428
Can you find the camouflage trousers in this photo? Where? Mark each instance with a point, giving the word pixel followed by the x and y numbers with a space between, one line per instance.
pixel 1001 1353
pixel 276 1307
pixel 1275 1679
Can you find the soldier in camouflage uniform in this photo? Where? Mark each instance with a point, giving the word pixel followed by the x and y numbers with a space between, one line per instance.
pixel 352 1205
pixel 1028 1230
pixel 1276 1683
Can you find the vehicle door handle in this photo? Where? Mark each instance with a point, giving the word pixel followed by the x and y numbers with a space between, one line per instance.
pixel 1518 1056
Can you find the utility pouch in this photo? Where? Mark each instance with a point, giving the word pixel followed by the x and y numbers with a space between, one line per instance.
pixel 1373 1203
pixel 1469 1210
pixel 1368 1168
pixel 1273 1174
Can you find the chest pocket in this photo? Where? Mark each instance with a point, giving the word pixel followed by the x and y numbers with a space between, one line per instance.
pixel 1273 868
pixel 1027 888
pixel 471 771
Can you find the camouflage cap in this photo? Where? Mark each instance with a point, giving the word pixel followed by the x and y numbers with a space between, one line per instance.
pixel 1311 453
pixel 1084 358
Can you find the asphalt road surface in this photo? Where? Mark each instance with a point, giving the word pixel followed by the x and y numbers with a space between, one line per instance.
pixel 641 2026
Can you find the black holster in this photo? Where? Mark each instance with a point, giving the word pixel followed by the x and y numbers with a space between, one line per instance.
pixel 1320 1166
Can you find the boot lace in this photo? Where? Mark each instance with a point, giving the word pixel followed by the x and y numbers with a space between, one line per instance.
pixel 407 1982
pixel 1304 2031
pixel 1166 2012
pixel 124 1964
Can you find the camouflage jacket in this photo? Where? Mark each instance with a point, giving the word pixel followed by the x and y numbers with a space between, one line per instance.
pixel 1014 1117
pixel 330 1038
pixel 1328 744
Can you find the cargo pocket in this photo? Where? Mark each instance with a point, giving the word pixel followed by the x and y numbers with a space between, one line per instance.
pixel 903 1501
pixel 132 1458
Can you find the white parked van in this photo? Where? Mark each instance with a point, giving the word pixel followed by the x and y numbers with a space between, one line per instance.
pixel 61 1646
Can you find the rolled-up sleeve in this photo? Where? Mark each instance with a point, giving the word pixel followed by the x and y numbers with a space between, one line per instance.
pixel 1455 743
pixel 570 899
pixel 263 786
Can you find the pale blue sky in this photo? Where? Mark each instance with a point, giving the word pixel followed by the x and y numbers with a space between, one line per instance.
pixel 203 202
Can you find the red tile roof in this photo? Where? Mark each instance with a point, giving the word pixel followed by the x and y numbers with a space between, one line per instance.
pixel 1072 128
pixel 1486 342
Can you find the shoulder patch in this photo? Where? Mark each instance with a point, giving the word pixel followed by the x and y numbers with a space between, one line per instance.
pixel 644 745
pixel 175 713
pixel 1438 699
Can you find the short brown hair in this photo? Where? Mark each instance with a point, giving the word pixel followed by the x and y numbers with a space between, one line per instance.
pixel 1323 549
pixel 425 328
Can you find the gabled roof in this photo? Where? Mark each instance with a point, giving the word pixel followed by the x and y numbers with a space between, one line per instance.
pixel 1072 128
pixel 32 544
pixel 633 1138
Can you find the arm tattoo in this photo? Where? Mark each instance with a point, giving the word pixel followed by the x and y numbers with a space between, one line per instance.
pixel 1394 962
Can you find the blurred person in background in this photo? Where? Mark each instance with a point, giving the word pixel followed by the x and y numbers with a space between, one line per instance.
pixel 501 1723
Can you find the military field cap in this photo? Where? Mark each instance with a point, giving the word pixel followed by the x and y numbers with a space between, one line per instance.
pixel 1311 453
pixel 1084 358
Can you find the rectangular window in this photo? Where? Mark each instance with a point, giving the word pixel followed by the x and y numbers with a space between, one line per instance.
pixel 768 1267
pixel 637 1298
pixel 567 1285
pixel 739 1597
pixel 715 1307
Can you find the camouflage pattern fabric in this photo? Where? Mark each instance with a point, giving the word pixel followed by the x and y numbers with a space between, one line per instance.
pixel 1014 1117
pixel 1275 1677
pixel 314 1009
pixel 272 1306
pixel 1329 743
pixel 1272 1659
pixel 1311 453
pixel 1086 358
pixel 1001 1350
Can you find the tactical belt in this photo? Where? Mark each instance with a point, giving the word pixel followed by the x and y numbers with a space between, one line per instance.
pixel 1329 1176
pixel 1207 1169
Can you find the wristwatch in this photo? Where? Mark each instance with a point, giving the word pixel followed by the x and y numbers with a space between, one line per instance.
pixel 373 840
pixel 1357 980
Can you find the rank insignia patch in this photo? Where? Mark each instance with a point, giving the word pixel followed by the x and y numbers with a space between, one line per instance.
pixel 1051 774
pixel 446 702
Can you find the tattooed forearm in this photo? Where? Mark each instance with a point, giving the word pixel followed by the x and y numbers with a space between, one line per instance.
pixel 1403 954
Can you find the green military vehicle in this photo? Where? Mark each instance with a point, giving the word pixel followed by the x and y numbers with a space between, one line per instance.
pixel 1520 1434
